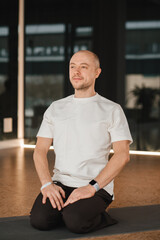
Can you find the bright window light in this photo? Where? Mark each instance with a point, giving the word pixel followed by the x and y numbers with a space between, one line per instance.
pixel 131 151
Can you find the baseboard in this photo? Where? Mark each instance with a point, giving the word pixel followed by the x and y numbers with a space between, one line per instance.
pixel 11 143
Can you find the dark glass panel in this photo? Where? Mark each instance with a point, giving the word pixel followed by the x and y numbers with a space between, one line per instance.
pixel 143 83
pixel 53 33
pixel 8 69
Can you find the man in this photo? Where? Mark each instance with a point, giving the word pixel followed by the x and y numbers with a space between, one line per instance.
pixel 82 128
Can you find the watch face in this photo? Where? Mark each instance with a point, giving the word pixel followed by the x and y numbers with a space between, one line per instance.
pixel 92 182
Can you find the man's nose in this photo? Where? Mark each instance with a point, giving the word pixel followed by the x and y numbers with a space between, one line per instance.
pixel 77 70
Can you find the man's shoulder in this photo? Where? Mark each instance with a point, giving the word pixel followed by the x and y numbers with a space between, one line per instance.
pixel 107 102
pixel 61 103
pixel 63 100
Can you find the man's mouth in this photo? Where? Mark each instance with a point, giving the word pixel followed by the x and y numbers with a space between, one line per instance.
pixel 77 78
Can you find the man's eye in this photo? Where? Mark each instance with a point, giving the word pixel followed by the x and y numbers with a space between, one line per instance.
pixel 84 67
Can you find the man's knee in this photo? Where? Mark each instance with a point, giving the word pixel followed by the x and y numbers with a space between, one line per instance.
pixel 74 221
pixel 43 216
pixel 39 221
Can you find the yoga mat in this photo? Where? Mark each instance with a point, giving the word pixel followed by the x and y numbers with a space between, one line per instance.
pixel 130 219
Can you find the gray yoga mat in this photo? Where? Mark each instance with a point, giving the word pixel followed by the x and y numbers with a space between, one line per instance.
pixel 130 219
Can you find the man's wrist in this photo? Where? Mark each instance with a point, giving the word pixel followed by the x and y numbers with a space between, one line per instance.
pixel 45 185
pixel 94 184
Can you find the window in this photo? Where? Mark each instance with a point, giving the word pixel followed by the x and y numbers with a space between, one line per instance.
pixel 8 69
pixel 44 72
pixel 143 83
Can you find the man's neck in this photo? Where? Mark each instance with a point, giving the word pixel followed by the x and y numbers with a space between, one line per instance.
pixel 83 94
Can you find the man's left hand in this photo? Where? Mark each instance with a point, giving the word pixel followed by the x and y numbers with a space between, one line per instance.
pixel 80 193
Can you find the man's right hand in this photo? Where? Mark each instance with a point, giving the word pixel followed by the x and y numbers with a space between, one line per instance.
pixel 55 194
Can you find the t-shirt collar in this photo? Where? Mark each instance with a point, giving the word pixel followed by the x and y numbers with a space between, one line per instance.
pixel 88 99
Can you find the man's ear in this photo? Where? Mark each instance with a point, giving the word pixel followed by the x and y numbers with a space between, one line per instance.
pixel 98 71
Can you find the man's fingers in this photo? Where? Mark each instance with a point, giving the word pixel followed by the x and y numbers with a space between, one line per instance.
pixel 44 199
pixel 66 203
pixel 58 200
pixel 68 200
pixel 52 201
pixel 62 192
pixel 71 200
pixel 55 196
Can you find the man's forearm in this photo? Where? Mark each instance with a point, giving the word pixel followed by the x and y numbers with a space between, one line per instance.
pixel 41 164
pixel 112 169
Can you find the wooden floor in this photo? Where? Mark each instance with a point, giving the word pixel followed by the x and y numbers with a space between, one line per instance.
pixel 150 235
pixel 138 184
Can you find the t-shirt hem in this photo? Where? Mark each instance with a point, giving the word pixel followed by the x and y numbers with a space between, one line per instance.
pixel 122 139
pixel 44 136
pixel 74 184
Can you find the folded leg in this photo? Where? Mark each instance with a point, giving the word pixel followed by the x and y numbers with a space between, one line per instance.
pixel 88 214
pixel 44 216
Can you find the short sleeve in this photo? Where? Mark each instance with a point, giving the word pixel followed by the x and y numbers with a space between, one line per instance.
pixel 119 129
pixel 47 126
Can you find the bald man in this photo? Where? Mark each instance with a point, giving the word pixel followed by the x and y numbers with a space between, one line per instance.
pixel 82 127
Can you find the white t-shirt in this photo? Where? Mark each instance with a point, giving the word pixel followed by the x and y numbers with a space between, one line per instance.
pixel 83 130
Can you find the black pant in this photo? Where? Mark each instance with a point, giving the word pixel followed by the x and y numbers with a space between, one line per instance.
pixel 82 216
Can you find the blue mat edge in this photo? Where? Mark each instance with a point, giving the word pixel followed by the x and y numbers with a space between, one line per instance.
pixel 97 233
pixel 12 218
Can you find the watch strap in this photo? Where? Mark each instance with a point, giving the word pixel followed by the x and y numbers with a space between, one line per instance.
pixel 94 184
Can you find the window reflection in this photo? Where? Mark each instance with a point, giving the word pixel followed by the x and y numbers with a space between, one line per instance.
pixel 143 83
pixel 8 83
pixel 44 72
pixel 45 64
pixel 4 57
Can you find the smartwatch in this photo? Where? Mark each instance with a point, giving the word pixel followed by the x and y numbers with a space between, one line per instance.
pixel 94 184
